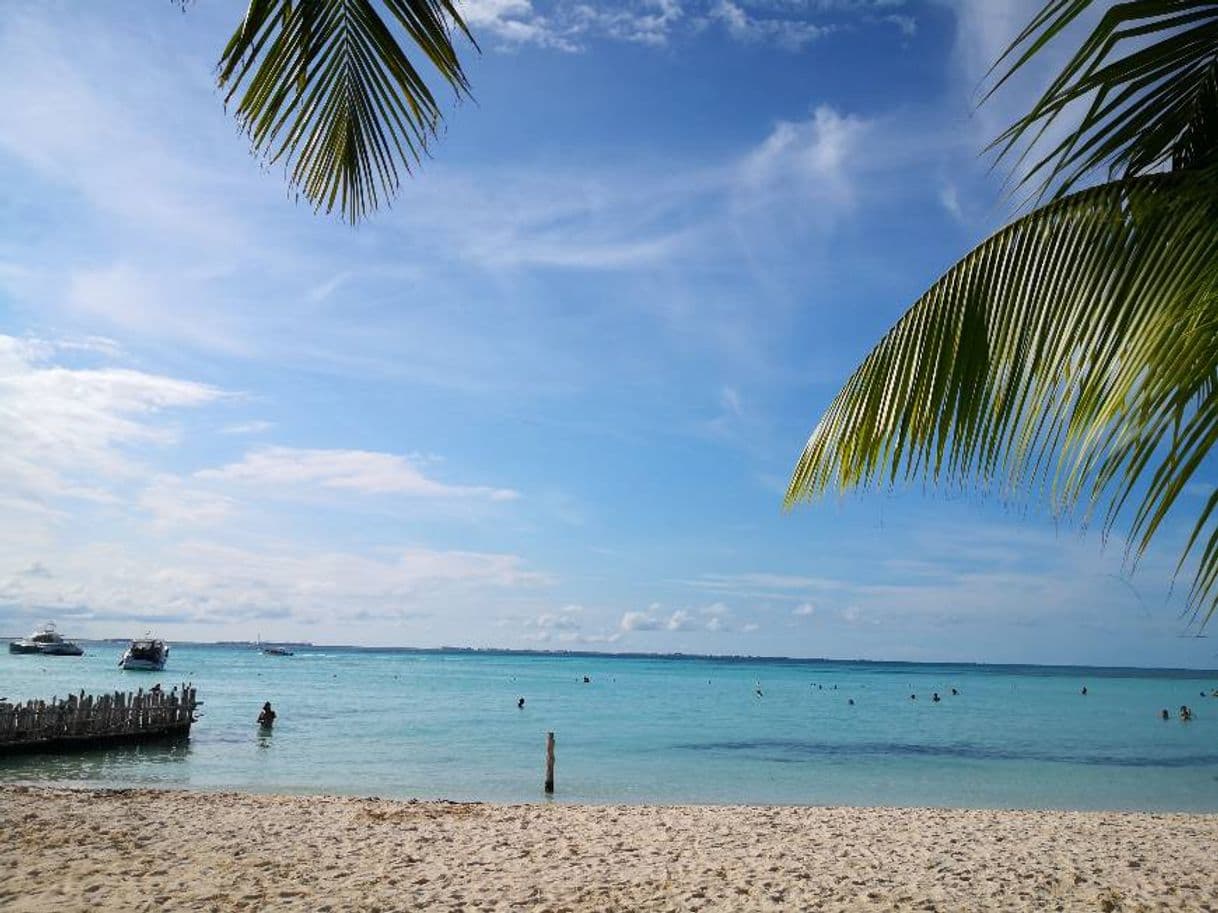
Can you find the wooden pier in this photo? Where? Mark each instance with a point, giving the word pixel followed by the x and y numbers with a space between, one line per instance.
pixel 88 721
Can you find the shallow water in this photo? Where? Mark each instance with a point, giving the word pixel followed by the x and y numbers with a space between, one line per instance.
pixel 669 730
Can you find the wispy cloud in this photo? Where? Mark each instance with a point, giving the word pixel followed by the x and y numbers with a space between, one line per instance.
pixel 789 34
pixel 254 426
pixel 212 584
pixel 659 23
pixel 77 432
pixel 358 471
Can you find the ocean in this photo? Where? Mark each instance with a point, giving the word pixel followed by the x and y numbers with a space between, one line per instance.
pixel 670 730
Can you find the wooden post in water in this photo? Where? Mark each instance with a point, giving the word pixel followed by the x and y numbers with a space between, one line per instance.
pixel 549 762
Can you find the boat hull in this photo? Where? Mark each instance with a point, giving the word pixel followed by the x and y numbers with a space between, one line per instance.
pixel 64 649
pixel 18 646
pixel 134 664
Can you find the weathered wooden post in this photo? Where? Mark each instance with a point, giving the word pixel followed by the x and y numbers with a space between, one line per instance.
pixel 549 762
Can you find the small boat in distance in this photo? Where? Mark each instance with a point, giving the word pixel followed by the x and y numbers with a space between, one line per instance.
pixel 146 654
pixel 271 649
pixel 46 641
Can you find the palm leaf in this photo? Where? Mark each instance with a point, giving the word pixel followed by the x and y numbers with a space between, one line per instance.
pixel 326 87
pixel 1072 355
pixel 1145 82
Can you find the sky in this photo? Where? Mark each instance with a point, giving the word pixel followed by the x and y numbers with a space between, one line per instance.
pixel 551 398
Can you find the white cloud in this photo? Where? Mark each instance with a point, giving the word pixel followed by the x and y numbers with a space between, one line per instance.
pixel 360 471
pixel 211 583
pixel 174 504
pixel 255 426
pixel 949 197
pixel 680 620
pixel 650 22
pixel 74 432
pixel 640 621
pixel 571 27
pixel 804 610
pixel 808 160
pixel 516 22
pixel 789 34
pixel 764 585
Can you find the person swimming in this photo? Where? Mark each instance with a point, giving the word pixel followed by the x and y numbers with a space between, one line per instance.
pixel 520 703
pixel 954 691
pixel 850 702
pixel 587 680
pixel 1084 691
pixel 758 692
pixel 913 697
pixel 935 697
pixel 266 719
pixel 1165 714
pixel 1185 713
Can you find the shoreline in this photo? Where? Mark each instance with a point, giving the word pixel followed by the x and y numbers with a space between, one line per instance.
pixel 171 849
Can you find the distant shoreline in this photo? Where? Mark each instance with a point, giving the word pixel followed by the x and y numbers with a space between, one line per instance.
pixel 1171 671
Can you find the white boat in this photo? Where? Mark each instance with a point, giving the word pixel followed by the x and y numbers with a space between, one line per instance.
pixel 146 654
pixel 46 641
pixel 271 649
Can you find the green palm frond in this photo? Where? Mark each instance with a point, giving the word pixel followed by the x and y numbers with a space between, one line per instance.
pixel 1144 87
pixel 327 88
pixel 1073 354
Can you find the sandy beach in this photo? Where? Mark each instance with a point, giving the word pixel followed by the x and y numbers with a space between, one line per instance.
pixel 63 850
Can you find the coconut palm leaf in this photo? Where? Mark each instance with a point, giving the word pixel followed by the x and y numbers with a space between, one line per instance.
pixel 326 87
pixel 1073 354
pixel 1144 87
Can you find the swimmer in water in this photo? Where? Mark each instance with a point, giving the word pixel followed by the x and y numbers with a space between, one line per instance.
pixel 520 703
pixel 913 697
pixel 266 719
pixel 954 691
pixel 759 694
pixel 1084 691
pixel 935 698
pixel 850 702
pixel 1165 714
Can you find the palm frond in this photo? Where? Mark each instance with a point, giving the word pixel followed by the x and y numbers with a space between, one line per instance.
pixel 1072 355
pixel 326 87
pixel 1145 82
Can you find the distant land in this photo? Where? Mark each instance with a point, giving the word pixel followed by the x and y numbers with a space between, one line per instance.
pixel 674 657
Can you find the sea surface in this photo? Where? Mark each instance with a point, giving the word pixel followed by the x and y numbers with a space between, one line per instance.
pixel 400 723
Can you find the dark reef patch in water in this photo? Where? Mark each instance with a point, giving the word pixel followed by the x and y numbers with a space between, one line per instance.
pixel 794 751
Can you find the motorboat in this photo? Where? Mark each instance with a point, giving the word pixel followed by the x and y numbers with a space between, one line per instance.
pixel 146 655
pixel 46 641
pixel 271 649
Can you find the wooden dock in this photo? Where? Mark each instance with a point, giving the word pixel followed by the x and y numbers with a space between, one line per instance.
pixel 88 721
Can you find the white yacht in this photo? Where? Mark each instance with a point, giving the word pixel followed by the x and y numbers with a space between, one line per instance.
pixel 46 641
pixel 146 654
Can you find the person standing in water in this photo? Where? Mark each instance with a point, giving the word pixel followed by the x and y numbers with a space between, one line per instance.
pixel 266 719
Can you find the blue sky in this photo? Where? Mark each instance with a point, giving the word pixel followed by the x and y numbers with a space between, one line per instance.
pixel 551 398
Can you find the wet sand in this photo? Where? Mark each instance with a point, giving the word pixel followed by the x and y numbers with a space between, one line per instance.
pixel 129 850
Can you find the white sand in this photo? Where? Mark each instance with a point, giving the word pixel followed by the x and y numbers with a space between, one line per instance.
pixel 67 850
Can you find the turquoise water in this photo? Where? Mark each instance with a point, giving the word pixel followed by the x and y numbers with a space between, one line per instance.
pixel 432 725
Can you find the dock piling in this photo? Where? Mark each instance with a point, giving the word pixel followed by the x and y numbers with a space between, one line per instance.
pixel 549 762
